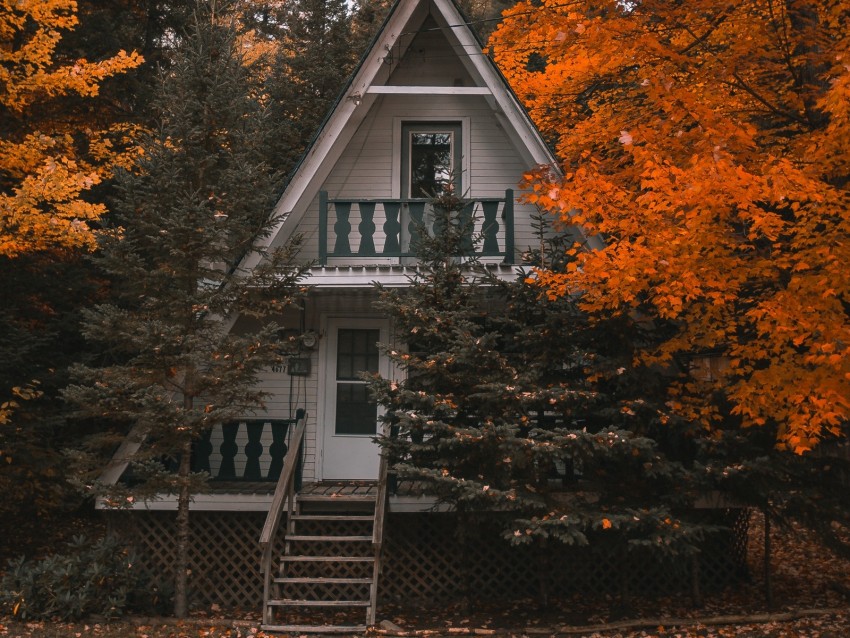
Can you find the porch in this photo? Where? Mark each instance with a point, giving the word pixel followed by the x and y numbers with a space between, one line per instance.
pixel 334 549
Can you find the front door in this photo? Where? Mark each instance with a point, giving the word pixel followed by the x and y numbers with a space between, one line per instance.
pixel 350 417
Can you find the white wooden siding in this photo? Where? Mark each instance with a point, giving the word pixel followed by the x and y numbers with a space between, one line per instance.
pixel 431 60
pixel 288 393
pixel 365 168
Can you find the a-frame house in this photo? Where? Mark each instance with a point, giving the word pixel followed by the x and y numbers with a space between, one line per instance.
pixel 425 111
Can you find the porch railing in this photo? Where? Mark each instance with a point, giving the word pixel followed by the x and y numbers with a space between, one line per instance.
pixel 284 499
pixel 245 450
pixel 390 227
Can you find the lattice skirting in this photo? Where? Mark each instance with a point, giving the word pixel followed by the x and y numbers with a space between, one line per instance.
pixel 426 561
pixel 224 556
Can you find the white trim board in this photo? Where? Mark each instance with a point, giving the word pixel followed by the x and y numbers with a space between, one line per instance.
pixel 259 503
pixel 428 90
pixel 465 147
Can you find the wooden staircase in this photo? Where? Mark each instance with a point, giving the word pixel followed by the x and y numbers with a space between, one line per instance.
pixel 326 580
pixel 329 569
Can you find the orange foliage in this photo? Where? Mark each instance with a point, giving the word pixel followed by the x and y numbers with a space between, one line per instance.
pixel 707 143
pixel 46 164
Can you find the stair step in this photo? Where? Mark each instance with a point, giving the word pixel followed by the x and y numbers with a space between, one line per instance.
pixel 339 559
pixel 315 629
pixel 332 517
pixel 322 581
pixel 289 602
pixel 298 537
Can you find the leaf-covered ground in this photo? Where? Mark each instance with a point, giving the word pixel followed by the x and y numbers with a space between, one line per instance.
pixel 810 587
pixel 831 626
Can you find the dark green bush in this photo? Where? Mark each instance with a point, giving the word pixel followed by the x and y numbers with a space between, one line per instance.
pixel 89 578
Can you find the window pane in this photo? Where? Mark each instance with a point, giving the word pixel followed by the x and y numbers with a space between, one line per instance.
pixel 357 351
pixel 355 413
pixel 430 163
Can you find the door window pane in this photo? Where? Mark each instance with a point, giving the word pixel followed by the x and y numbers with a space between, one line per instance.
pixel 356 413
pixel 357 352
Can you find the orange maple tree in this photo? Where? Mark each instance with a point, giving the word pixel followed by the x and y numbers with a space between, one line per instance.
pixel 48 159
pixel 706 143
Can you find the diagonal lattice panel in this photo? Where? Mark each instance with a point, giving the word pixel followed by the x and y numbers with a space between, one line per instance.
pixel 423 560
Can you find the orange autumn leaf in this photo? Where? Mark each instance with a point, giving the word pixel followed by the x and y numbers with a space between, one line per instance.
pixel 48 164
pixel 707 143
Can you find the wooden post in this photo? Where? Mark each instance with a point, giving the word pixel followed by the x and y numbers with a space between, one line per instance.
pixel 392 229
pixel 342 229
pixel 490 228
pixel 323 228
pixel 508 217
pixel 416 224
pixel 467 226
pixel 367 229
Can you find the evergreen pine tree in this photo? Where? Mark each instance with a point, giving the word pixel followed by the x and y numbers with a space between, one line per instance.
pixel 200 198
pixel 367 17
pixel 513 402
pixel 43 294
pixel 315 57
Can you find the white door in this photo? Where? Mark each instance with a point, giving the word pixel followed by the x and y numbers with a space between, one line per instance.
pixel 350 417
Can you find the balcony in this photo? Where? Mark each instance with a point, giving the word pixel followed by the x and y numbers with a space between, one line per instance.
pixel 387 229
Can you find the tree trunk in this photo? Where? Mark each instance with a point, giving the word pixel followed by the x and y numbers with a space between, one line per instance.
pixel 181 570
pixel 543 562
pixel 463 536
pixel 696 589
pixel 810 77
pixel 768 589
pixel 625 566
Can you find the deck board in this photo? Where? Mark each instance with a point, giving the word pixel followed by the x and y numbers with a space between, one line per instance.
pixel 339 488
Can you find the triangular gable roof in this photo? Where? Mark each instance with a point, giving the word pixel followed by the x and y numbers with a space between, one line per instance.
pixel 370 80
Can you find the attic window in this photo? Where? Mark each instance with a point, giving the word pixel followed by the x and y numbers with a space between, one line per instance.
pixel 430 159
pixel 430 163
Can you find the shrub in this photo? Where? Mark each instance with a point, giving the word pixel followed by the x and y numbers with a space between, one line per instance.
pixel 89 578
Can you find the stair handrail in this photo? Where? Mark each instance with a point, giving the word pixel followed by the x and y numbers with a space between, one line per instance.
pixel 381 502
pixel 283 494
pixel 378 527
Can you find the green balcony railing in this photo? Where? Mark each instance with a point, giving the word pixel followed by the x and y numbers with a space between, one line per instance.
pixel 389 227
pixel 246 450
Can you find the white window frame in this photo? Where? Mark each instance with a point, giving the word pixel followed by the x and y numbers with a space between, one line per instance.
pixel 398 123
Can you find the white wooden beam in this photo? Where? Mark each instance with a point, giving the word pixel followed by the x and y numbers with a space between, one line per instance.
pixel 121 459
pixel 428 90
